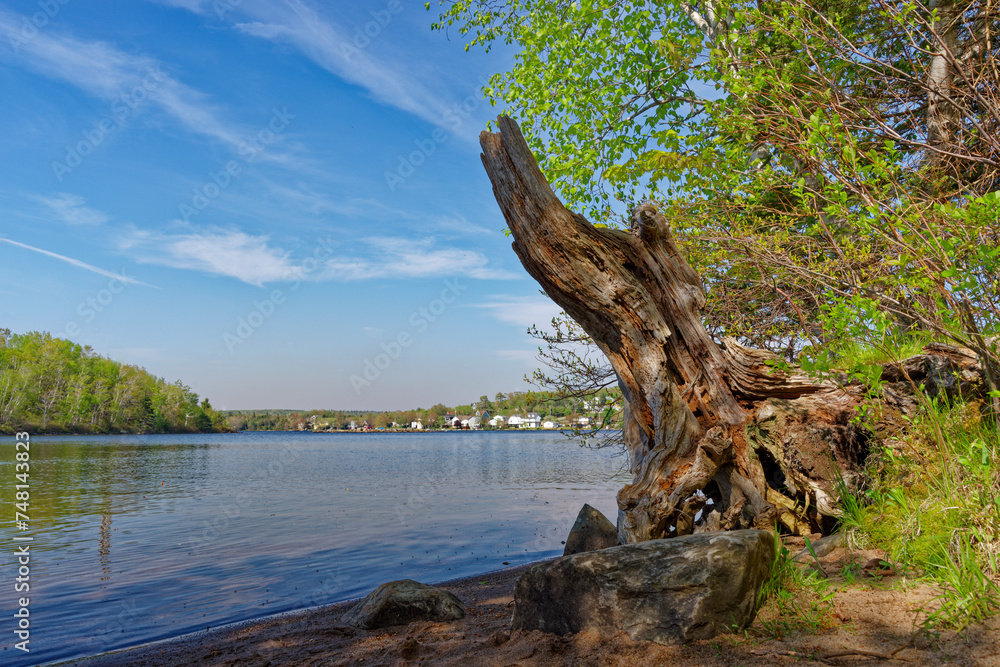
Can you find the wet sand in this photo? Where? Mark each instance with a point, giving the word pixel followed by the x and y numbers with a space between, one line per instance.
pixel 871 623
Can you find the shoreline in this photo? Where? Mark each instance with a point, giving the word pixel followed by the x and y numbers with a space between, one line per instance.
pixel 190 640
pixel 870 623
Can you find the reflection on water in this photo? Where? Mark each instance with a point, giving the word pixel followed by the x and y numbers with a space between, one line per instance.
pixel 143 537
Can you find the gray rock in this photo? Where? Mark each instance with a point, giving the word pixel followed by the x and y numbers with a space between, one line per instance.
pixel 668 591
pixel 591 531
pixel 402 602
pixel 822 547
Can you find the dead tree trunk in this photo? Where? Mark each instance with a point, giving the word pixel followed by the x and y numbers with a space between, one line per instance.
pixel 698 417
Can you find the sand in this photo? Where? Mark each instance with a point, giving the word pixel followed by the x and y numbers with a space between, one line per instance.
pixel 870 621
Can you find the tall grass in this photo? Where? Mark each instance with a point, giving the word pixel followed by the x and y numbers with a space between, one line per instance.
pixel 934 506
pixel 794 599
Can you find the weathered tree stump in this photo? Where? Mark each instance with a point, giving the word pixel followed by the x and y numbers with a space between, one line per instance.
pixel 709 428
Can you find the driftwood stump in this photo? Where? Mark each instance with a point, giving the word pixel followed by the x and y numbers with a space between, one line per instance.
pixel 718 439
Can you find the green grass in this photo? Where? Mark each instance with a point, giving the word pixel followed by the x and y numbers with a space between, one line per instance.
pixel 853 355
pixel 934 507
pixel 794 600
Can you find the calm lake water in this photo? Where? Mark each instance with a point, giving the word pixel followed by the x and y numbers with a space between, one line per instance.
pixel 138 538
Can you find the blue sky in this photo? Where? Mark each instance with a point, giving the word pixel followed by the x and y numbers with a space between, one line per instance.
pixel 261 198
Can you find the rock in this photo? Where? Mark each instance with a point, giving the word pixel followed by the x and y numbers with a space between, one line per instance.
pixel 591 531
pixel 942 369
pixel 821 547
pixel 668 591
pixel 403 602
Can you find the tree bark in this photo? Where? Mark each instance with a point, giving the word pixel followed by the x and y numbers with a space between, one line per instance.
pixel 701 420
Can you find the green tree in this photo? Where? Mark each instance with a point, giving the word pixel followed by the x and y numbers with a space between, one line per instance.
pixel 826 163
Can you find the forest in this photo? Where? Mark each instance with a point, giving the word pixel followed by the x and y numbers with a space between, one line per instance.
pixel 51 385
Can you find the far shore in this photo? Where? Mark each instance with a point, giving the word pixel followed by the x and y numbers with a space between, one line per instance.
pixel 46 434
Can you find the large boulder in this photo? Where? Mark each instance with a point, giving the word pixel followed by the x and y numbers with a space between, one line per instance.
pixel 402 602
pixel 591 531
pixel 668 591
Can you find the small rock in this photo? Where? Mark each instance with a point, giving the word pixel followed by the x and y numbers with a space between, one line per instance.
pixel 592 531
pixel 823 547
pixel 409 649
pixel 402 602
pixel 498 638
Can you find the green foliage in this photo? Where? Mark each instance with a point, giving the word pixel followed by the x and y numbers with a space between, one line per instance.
pixel 795 146
pixel 934 506
pixel 794 599
pixel 51 385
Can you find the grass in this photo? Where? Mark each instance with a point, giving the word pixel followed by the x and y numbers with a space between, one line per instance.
pixel 934 507
pixel 794 599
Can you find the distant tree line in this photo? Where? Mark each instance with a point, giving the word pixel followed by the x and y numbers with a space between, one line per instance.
pixel 51 385
pixel 549 405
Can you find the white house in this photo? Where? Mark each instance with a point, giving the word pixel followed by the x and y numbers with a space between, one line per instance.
pixel 549 424
pixel 516 421
pixel 498 421
pixel 417 425
pixel 474 423
pixel 533 420
pixel 583 421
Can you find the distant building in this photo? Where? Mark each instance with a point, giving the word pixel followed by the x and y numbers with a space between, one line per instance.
pixel 533 420
pixel 549 424
pixel 499 421
pixel 583 421
pixel 417 425
pixel 516 421
pixel 474 423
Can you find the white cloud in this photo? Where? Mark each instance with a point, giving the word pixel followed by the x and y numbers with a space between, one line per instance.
pixel 518 355
pixel 70 209
pixel 332 47
pixel 112 75
pixel 523 311
pixel 252 259
pixel 410 258
pixel 235 254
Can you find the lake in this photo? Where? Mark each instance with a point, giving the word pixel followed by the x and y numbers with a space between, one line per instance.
pixel 138 538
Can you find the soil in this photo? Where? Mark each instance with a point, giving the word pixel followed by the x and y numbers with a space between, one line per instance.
pixel 871 619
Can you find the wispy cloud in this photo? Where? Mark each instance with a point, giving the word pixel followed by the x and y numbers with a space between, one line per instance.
pixel 70 209
pixel 76 263
pixel 410 258
pixel 255 260
pixel 518 355
pixel 235 254
pixel 332 47
pixel 524 311
pixel 335 47
pixel 110 74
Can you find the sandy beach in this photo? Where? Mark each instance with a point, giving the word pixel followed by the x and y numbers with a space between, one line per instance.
pixel 869 623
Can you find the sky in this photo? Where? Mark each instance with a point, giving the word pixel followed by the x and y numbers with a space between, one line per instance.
pixel 278 202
